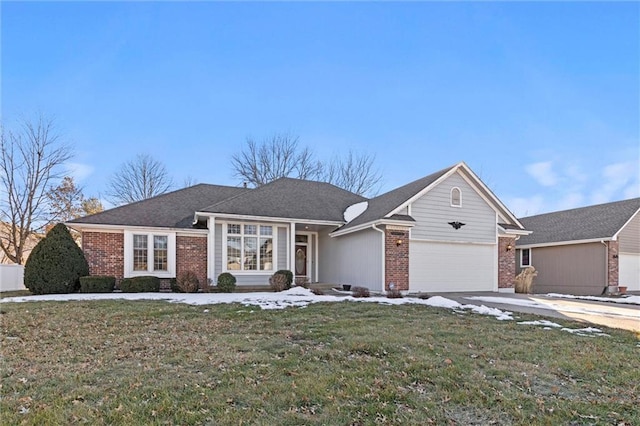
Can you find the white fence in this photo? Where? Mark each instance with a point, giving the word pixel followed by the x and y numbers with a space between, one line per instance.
pixel 11 277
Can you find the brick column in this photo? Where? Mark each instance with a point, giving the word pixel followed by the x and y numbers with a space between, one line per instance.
pixel 191 255
pixel 612 263
pixel 506 263
pixel 104 252
pixel 396 258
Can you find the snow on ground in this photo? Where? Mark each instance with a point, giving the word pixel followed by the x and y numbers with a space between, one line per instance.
pixel 295 297
pixel 548 325
pixel 302 297
pixel 633 300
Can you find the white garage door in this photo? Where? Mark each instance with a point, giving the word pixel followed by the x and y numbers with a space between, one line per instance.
pixel 629 271
pixel 442 267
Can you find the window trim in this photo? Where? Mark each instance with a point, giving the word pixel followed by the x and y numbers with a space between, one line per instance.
pixel 258 235
pixel 171 254
pixel 455 188
pixel 522 265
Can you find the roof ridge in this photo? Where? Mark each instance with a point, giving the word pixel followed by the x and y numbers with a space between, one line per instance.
pixel 610 203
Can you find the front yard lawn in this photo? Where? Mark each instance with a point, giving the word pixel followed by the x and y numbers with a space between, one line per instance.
pixel 126 362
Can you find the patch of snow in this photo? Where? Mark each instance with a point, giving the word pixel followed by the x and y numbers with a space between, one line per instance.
pixel 633 300
pixel 588 331
pixel 294 297
pixel 546 323
pixel 355 210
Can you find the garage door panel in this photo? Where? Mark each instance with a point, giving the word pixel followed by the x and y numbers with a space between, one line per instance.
pixel 629 271
pixel 441 267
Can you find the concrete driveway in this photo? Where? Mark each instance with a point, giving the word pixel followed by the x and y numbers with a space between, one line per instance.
pixel 614 315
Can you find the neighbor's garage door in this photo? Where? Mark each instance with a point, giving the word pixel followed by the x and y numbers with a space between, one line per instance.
pixel 441 267
pixel 629 271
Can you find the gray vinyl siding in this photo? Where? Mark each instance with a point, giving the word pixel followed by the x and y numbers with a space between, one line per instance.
pixel 629 238
pixel 354 259
pixel 433 211
pixel 570 269
pixel 283 243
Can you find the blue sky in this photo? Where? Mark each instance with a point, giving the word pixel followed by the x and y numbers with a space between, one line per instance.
pixel 541 99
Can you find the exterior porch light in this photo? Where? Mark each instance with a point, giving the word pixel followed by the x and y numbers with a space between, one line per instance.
pixel 398 242
pixel 509 247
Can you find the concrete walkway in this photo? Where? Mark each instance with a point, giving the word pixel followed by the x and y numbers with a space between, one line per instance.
pixel 609 314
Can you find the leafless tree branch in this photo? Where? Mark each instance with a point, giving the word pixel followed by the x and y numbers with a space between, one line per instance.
pixel 30 163
pixel 138 179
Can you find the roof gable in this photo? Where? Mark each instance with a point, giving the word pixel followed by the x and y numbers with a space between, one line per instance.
pixel 171 210
pixel 290 198
pixel 602 221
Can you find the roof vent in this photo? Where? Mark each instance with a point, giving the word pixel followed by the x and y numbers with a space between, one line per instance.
pixel 355 210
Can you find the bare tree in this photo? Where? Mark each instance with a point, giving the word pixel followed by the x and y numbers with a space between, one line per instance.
pixel 30 163
pixel 353 172
pixel 273 158
pixel 138 179
pixel 282 156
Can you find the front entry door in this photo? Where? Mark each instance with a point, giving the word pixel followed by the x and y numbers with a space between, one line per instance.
pixel 301 260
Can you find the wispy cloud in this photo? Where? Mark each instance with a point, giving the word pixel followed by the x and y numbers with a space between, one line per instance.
pixel 526 206
pixel 542 172
pixel 621 177
pixel 78 171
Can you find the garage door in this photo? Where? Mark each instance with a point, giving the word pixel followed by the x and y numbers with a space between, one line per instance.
pixel 441 267
pixel 629 271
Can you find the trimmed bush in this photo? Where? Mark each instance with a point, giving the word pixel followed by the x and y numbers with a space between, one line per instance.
pixel 55 264
pixel 360 292
pixel 278 282
pixel 188 282
pixel 143 284
pixel 289 276
pixel 226 282
pixel 97 284
pixel 302 282
pixel 173 284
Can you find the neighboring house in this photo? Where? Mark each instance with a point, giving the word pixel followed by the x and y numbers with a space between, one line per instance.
pixel 584 251
pixel 444 232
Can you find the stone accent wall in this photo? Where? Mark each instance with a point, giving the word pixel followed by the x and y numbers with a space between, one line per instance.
pixel 104 252
pixel 191 255
pixel 396 258
pixel 612 263
pixel 506 262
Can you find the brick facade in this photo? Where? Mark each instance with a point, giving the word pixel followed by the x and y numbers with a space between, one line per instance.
pixel 104 252
pixel 396 248
pixel 191 255
pixel 612 263
pixel 506 262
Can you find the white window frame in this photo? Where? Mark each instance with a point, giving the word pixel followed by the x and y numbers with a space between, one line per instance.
pixel 522 265
pixel 455 188
pixel 258 235
pixel 171 254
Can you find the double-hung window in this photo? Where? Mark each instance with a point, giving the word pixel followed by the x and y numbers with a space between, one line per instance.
pixel 149 254
pixel 249 247
pixel 525 257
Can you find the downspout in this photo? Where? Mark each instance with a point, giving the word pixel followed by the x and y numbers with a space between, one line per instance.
pixel 382 255
pixel 606 267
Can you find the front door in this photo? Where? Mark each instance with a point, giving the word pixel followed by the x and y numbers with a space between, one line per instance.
pixel 301 260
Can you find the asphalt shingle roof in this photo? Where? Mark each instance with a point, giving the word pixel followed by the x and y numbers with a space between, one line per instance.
pixel 290 198
pixel 171 210
pixel 586 223
pixel 384 204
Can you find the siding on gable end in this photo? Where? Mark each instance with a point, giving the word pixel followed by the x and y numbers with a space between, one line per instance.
pixel 629 238
pixel 283 242
pixel 354 259
pixel 433 211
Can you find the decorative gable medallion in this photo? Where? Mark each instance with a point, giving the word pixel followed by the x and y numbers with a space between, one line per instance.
pixel 456 224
